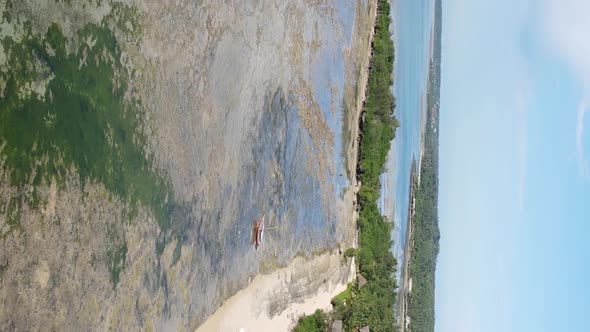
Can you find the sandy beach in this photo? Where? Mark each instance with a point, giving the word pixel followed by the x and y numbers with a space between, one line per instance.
pixel 275 301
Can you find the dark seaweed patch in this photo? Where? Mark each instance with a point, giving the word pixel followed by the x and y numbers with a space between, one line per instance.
pixel 82 120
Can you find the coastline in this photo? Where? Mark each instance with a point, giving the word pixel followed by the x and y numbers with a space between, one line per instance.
pixel 406 286
pixel 275 301
pixel 258 306
pixel 424 240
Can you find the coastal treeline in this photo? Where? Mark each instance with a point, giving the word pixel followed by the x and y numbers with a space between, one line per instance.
pixel 372 304
pixel 425 245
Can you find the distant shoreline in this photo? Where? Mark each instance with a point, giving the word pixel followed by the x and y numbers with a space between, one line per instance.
pixel 424 244
pixel 405 287
pixel 404 290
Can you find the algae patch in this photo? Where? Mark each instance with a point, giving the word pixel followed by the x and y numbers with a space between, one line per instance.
pixel 66 105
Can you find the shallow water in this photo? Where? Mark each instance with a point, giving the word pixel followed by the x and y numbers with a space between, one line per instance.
pixel 300 218
pixel 412 22
pixel 328 79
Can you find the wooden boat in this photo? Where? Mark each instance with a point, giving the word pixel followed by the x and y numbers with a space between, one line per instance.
pixel 258 232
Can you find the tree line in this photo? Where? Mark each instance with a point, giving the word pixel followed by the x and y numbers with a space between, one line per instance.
pixel 425 245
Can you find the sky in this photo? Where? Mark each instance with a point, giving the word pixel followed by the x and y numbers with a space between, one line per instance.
pixel 514 200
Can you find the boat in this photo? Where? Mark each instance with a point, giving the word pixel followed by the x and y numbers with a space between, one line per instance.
pixel 258 231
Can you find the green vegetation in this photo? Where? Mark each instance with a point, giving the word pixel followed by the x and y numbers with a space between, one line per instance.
pixel 317 322
pixel 350 252
pixel 116 262
pixel 3 267
pixel 65 106
pixel 426 232
pixel 82 120
pixel 342 298
pixel 373 304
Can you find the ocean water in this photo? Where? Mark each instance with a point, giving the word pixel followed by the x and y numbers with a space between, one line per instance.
pixel 412 23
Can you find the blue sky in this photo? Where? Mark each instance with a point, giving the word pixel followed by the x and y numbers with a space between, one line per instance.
pixel 514 166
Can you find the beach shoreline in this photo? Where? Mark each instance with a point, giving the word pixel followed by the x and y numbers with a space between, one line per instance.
pixel 274 302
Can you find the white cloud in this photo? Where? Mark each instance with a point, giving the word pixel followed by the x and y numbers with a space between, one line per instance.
pixel 582 162
pixel 567 27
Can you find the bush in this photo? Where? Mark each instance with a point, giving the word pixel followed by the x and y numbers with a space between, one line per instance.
pixel 318 322
pixel 350 252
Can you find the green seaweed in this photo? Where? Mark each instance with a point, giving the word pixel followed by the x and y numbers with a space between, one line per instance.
pixel 116 262
pixel 14 213
pixel 6 14
pixel 3 268
pixel 82 121
pixel 177 251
